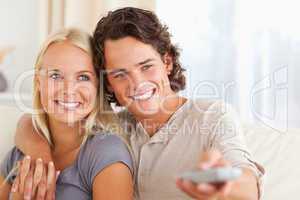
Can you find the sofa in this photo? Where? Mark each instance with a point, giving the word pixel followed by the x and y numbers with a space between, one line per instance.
pixel 276 151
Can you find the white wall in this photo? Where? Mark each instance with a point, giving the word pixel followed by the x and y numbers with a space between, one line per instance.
pixel 86 15
pixel 23 28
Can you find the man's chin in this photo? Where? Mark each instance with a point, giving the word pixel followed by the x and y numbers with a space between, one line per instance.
pixel 142 107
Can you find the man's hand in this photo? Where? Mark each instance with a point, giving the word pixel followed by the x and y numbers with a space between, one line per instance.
pixel 209 159
pixel 35 181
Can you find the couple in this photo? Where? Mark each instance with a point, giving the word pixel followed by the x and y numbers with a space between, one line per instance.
pixel 130 61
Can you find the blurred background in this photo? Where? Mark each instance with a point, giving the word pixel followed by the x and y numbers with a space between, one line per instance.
pixel 243 52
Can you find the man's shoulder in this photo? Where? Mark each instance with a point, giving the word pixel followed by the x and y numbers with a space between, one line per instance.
pixel 208 109
pixel 201 106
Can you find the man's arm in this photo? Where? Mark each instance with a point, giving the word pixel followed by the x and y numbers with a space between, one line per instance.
pixel 30 142
pixel 244 188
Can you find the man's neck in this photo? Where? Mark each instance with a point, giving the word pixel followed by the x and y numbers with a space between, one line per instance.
pixel 154 122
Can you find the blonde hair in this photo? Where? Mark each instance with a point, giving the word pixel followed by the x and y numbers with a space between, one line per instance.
pixel 82 40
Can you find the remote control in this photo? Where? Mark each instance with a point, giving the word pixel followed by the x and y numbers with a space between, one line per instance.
pixel 214 175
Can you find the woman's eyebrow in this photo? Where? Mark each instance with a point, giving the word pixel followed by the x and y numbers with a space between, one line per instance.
pixel 46 71
pixel 85 71
pixel 50 70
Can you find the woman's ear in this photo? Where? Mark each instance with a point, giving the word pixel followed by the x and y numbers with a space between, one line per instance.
pixel 168 60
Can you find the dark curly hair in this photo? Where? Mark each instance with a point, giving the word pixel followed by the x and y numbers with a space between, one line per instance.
pixel 144 26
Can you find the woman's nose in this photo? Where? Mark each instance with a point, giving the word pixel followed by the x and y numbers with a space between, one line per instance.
pixel 69 87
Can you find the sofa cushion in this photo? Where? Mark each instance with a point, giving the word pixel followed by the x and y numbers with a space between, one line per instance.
pixel 278 152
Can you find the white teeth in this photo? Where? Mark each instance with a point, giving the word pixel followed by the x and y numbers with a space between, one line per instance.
pixel 144 96
pixel 70 105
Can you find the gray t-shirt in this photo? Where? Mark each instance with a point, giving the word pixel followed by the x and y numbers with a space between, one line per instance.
pixel 76 181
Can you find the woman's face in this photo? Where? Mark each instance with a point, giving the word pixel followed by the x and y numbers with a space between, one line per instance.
pixel 67 83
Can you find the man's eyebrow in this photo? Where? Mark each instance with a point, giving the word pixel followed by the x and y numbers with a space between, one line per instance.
pixel 114 71
pixel 145 61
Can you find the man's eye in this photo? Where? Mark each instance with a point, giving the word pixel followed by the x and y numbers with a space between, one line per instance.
pixel 84 78
pixel 145 67
pixel 55 76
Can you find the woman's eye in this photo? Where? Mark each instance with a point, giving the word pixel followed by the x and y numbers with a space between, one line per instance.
pixel 55 76
pixel 84 78
pixel 145 67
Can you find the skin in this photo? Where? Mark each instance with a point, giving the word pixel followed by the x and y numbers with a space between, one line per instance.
pixel 135 68
pixel 4 188
pixel 243 188
pixel 68 77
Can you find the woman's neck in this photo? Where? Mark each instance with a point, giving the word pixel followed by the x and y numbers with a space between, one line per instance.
pixel 152 123
pixel 66 137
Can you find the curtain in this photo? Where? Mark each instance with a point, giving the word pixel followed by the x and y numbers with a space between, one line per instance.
pixel 242 52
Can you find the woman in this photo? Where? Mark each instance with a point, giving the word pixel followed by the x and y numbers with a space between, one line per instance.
pixel 168 133
pixel 67 102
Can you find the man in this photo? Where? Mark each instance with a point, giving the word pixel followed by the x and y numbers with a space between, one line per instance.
pixel 168 134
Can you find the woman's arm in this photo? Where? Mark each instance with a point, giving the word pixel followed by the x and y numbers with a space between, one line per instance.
pixel 113 182
pixel 29 142
pixel 4 188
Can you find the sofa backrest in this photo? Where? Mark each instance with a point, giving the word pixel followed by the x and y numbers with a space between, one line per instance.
pixel 8 120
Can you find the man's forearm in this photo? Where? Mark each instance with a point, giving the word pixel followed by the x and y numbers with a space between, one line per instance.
pixel 29 142
pixel 245 188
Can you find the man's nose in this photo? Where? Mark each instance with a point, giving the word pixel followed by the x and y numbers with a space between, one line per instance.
pixel 136 78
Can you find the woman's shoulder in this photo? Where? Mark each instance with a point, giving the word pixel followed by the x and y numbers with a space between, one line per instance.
pixel 104 140
pixel 10 162
pixel 100 151
pixel 103 145
pixel 13 156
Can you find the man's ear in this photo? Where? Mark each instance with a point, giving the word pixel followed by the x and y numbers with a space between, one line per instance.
pixel 109 88
pixel 168 60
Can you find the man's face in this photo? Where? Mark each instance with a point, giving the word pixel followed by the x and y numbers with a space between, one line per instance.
pixel 137 75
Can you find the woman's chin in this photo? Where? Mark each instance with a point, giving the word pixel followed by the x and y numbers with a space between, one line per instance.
pixel 67 119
